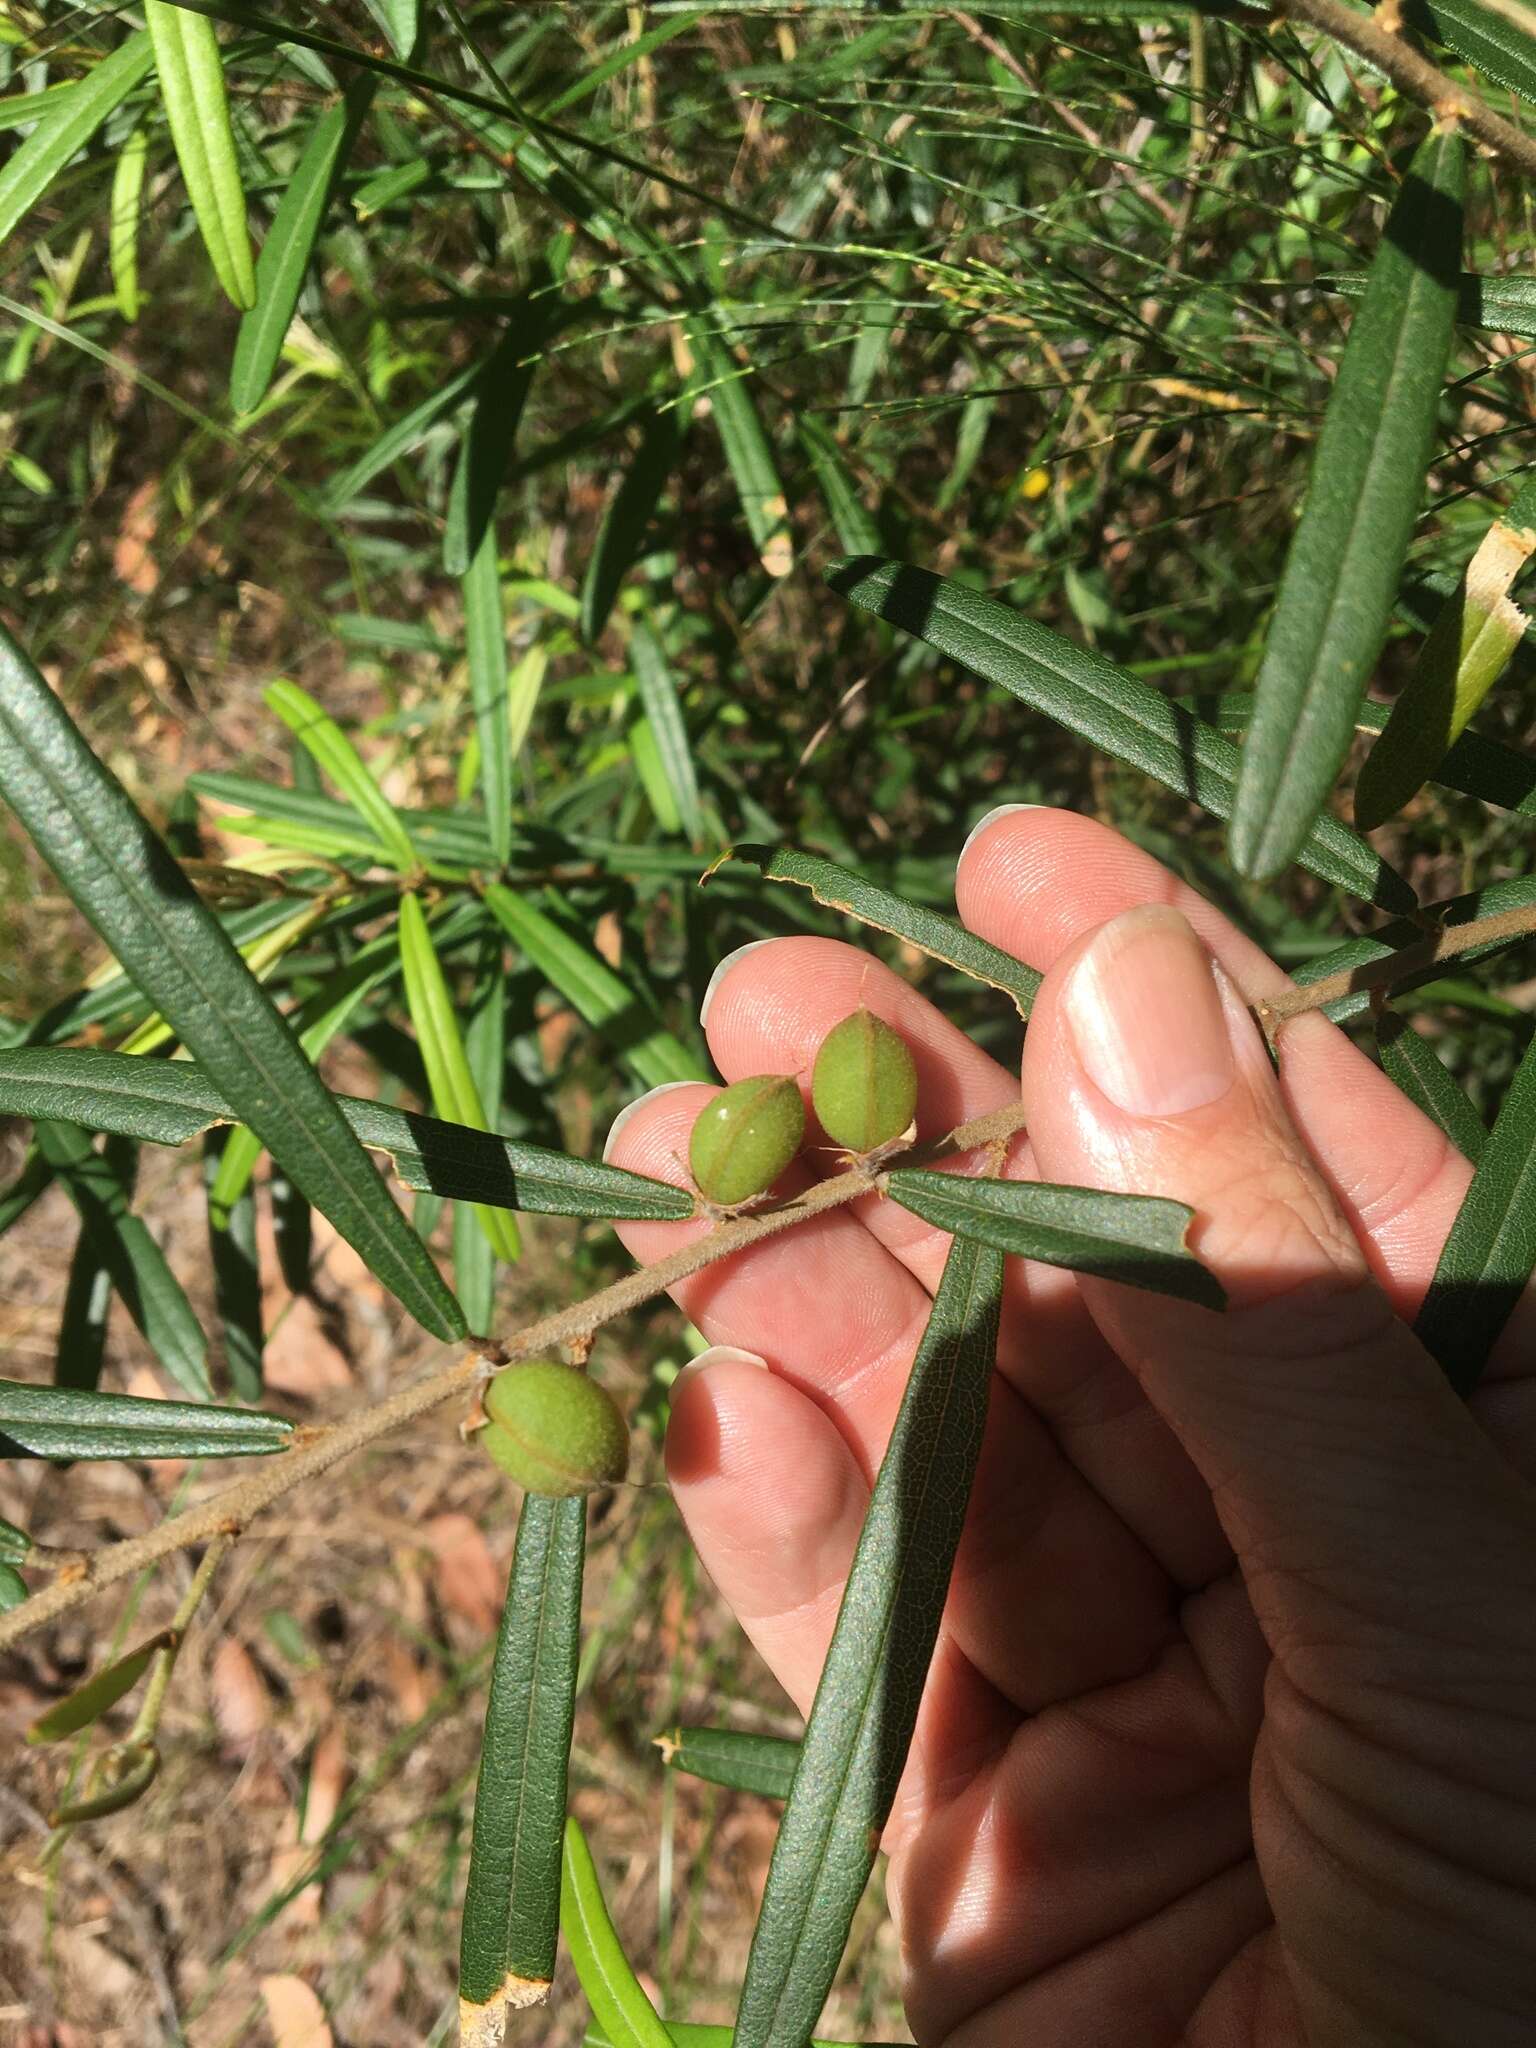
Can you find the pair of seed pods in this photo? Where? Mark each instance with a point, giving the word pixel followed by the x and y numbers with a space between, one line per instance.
pixel 553 1430
pixel 863 1089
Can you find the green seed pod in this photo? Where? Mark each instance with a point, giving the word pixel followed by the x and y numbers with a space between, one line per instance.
pixel 864 1084
pixel 553 1430
pixel 744 1139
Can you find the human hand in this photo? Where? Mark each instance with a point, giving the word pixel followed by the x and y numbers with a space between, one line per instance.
pixel 1229 1739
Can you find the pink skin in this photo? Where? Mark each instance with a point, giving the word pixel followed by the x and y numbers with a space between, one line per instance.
pixel 1230 1739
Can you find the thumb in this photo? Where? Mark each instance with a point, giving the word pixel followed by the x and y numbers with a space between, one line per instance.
pixel 1351 1482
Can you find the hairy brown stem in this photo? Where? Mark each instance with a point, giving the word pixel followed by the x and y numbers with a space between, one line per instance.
pixel 1403 965
pixel 1374 37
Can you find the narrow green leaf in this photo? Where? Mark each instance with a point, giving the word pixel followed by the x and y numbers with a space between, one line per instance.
pixel 682 2035
pixel 399 439
pixel 102 1690
pixel 13 1588
pixel 292 1230
pixel 485 645
pixel 1468 649
pixel 512 1903
pixel 290 243
pixel 236 1272
pixel 594 991
pixel 123 222
pixel 646 756
pixel 35 1177
pixel 26 109
pixel 62 1422
pixel 67 127
pixel 764 1764
pixel 941 938
pixel 454 1094
pixel 1403 934
pixel 1491 1250
pixel 14 1542
pixel 81 1346
pixel 434 835
pixel 618 2001
pixel 618 59
pixel 1480 37
pixel 485 1048
pixel 1115 712
pixel 501 391
pixel 122 877
pixel 191 72
pixel 1342 570
pixel 400 21
pixel 1138 1240
pixel 627 520
pixel 166 1102
pixel 1502 305
pixel 857 533
pixel 856 1740
pixel 323 739
pixel 1417 1069
pixel 151 1293
pixel 525 679
pixel 748 452
pixel 658 693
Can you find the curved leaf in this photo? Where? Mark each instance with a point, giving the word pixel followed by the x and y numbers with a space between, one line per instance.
pixel 61 1422
pixel 856 1740
pixel 1115 712
pixel 323 739
pixel 289 245
pixel 1138 1240
pixel 1342 570
pixel 122 877
pixel 67 127
pixel 615 1994
pixel 512 1903
pixel 101 1691
pixel 941 938
pixel 197 108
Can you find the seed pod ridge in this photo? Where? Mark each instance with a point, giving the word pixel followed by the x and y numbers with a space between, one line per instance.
pixel 553 1430
pixel 743 1140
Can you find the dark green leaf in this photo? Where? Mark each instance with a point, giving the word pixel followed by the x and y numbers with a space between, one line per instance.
pixel 501 391
pixel 399 439
pixel 58 1422
pixel 292 1231
pixel 764 1764
pixel 1418 1070
pixel 1503 305
pixel 941 938
pixel 103 1689
pixel 485 642
pixel 1113 711
pixel 67 126
pixel 866 1705
pixel 289 245
pixel 167 1101
pixel 236 1272
pixel 121 1242
pixel 658 693
pixel 1491 1251
pixel 122 877
pixel 1497 48
pixel 857 533
pixel 80 1349
pixel 1342 570
pixel 627 520
pixel 512 1904
pixel 485 1049
pixel 1138 1240
pixel 615 1994
pixel 19 1194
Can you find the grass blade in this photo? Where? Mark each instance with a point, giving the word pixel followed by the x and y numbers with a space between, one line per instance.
pixel 857 533
pixel 748 452
pixel 323 739
pixel 1138 1240
pixel 856 1740
pixel 594 991
pixel 1342 570
pixel 289 245
pixel 764 1764
pixel 1113 711
pixel 80 1349
pixel 618 2001
pixel 236 1271
pixel 152 1295
pixel 398 440
pixel 941 938
pixel 122 877
pixel 1491 1250
pixel 502 385
pixel 400 21
pixel 658 693
pixel 512 1903
pixel 67 127
pixel 627 520
pixel 123 222
pixel 1417 1069
pixel 60 1422
pixel 197 108
pixel 485 644
pixel 454 1094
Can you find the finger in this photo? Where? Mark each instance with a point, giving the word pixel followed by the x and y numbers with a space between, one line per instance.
pixel 840 1319
pixel 1349 1478
pixel 767 1009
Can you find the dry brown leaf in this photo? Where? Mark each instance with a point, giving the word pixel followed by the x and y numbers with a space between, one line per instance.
pixel 300 1358
pixel 608 938
pixel 409 1685
pixel 295 2014
pixel 132 562
pixel 242 1706
pixel 468 1582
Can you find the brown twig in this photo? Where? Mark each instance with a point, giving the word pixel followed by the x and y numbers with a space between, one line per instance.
pixel 1408 961
pixel 1372 37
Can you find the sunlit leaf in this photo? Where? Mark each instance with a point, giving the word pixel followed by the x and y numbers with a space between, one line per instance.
pixel 191 71
pixel 61 1422
pixel 1418 1070
pixel 764 1764
pixel 618 2001
pixel 67 125
pixel 323 739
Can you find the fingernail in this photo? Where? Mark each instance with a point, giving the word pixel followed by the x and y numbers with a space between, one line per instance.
pixel 723 970
pixel 991 818
pixel 717 1354
pixel 629 1109
pixel 1148 1017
